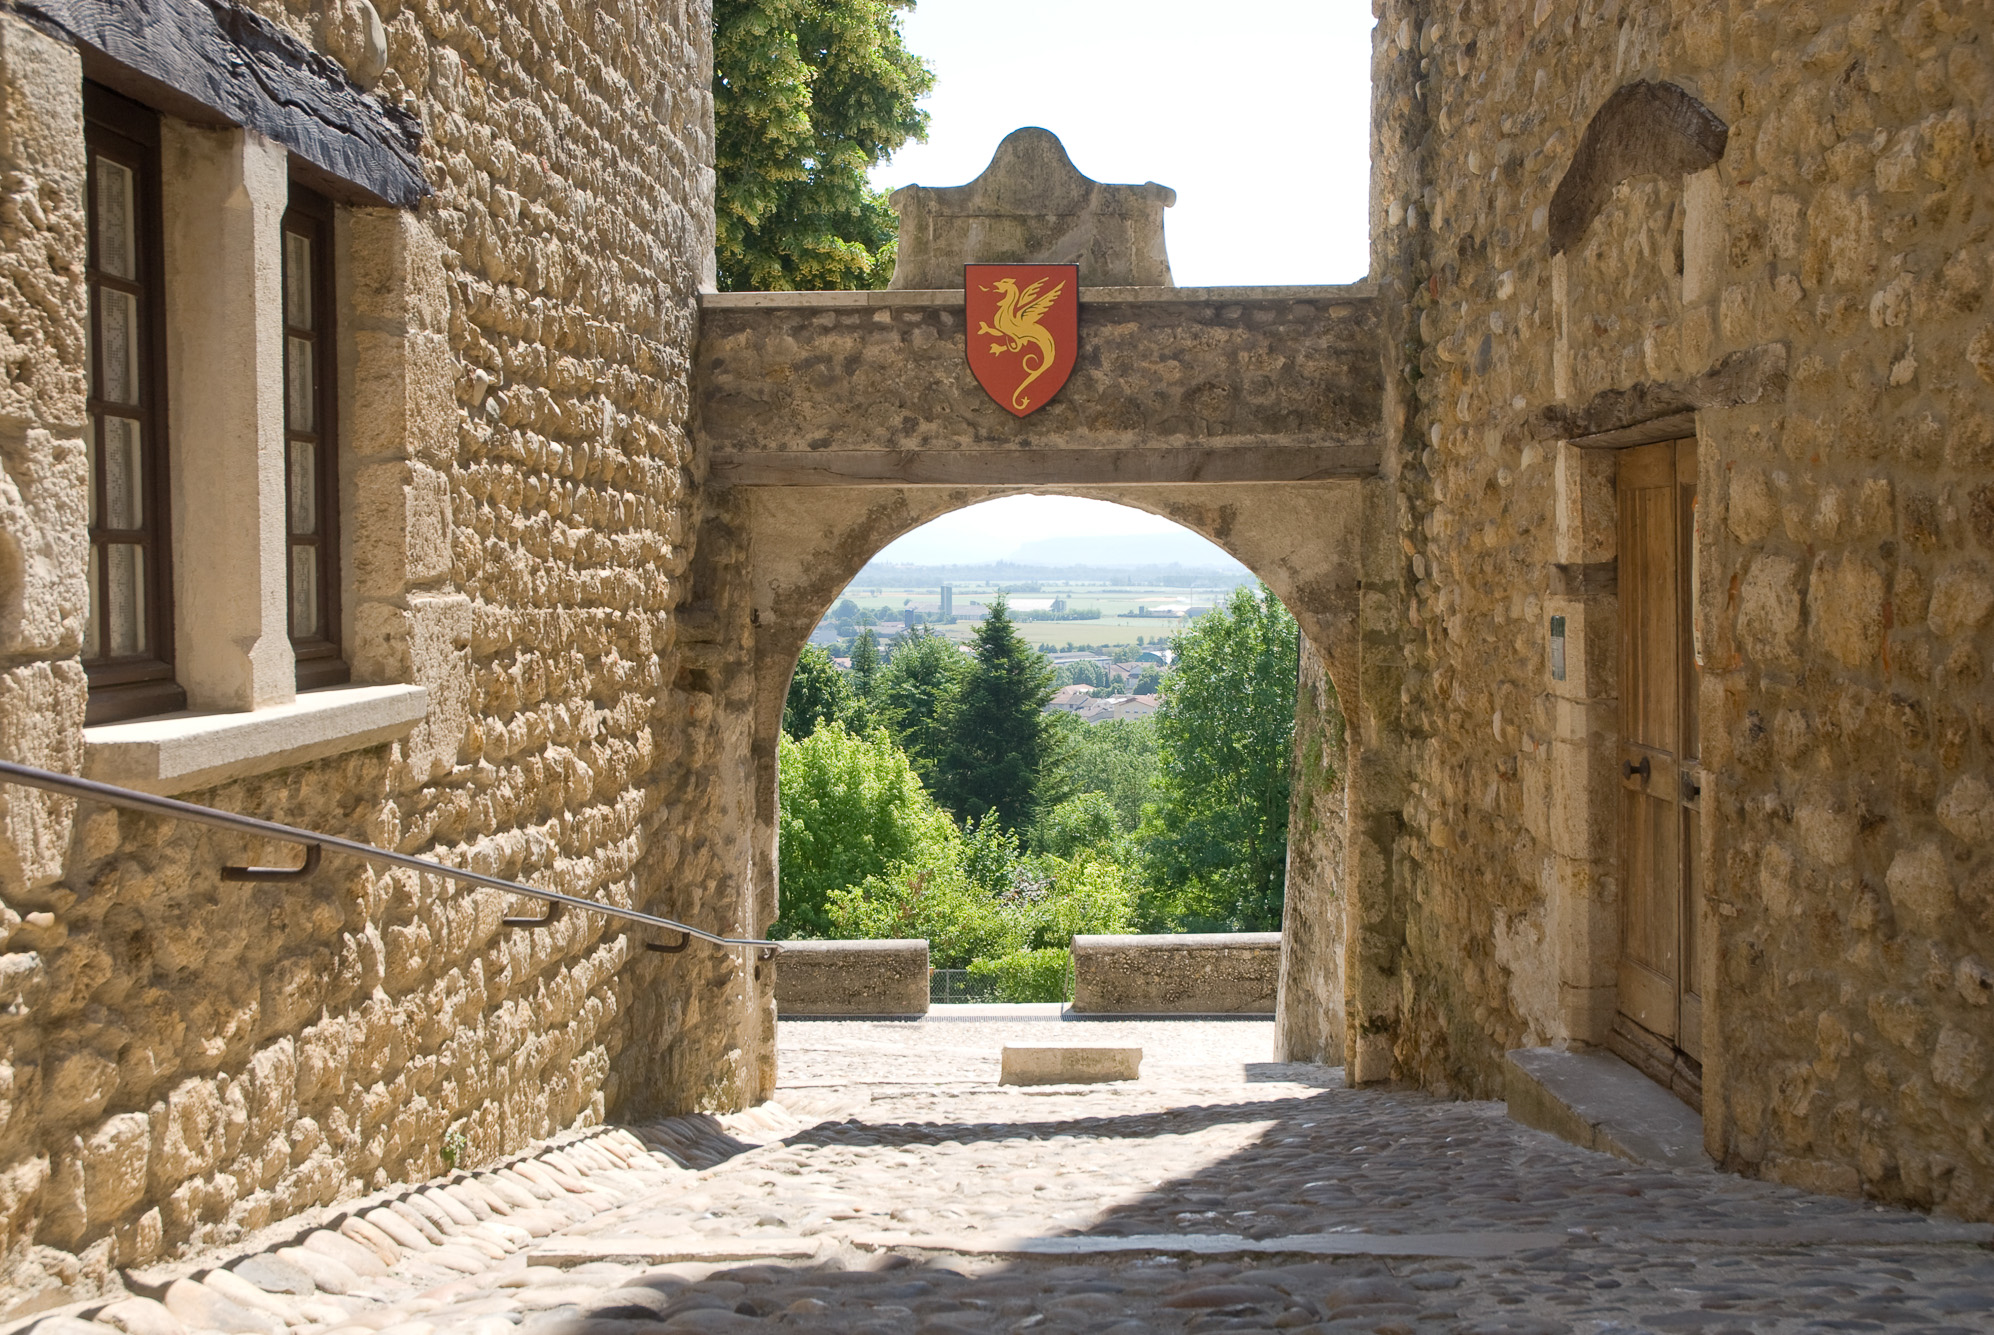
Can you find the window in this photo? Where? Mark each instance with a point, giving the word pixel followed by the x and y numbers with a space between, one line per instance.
pixel 128 634
pixel 311 465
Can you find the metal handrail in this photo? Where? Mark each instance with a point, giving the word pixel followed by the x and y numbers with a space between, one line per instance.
pixel 313 842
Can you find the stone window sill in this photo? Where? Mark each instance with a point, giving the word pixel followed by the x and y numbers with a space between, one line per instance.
pixel 175 753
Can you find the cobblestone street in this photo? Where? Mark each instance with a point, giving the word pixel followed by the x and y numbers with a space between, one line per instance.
pixel 897 1190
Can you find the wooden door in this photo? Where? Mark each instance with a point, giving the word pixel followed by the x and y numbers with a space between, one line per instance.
pixel 1660 1024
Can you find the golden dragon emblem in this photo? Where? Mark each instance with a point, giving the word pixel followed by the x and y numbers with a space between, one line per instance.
pixel 1018 315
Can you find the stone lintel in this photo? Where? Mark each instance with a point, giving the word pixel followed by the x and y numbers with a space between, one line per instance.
pixel 1665 410
pixel 1324 461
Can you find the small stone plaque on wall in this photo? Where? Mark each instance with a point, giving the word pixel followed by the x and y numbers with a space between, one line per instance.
pixel 1557 648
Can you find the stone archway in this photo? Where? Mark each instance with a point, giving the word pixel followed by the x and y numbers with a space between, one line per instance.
pixel 829 423
pixel 801 546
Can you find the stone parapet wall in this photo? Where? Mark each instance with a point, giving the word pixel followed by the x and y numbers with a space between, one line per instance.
pixel 1224 973
pixel 184 1060
pixel 1843 550
pixel 1220 368
pixel 851 978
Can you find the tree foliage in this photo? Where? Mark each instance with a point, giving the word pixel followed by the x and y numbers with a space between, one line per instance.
pixel 1085 822
pixel 978 898
pixel 818 694
pixel 865 682
pixel 850 809
pixel 1216 841
pixel 1117 759
pixel 916 691
pixel 808 96
pixel 1000 746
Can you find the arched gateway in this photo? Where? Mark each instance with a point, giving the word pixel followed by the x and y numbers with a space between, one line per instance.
pixel 832 422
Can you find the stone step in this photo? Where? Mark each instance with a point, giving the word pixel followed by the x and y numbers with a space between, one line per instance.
pixel 1598 1102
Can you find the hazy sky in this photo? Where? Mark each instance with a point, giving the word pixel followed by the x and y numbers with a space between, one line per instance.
pixel 993 530
pixel 1255 112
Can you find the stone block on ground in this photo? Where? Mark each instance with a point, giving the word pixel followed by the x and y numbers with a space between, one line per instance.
pixel 1068 1065
pixel 852 978
pixel 1223 973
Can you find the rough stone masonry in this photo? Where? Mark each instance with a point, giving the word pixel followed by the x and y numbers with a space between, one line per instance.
pixel 1761 226
pixel 182 1059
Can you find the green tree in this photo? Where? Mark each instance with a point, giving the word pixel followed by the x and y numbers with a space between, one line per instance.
pixel 1083 822
pixel 1082 673
pixel 864 679
pixel 1216 842
pixel 1116 759
pixel 818 694
pixel 916 689
pixel 850 808
pixel 808 96
pixel 1000 748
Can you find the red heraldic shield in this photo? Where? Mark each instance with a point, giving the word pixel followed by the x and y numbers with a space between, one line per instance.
pixel 1023 322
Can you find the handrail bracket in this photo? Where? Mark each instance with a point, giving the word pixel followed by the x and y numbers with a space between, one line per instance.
pixel 276 875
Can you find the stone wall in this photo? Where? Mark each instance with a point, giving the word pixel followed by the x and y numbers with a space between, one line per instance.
pixel 852 978
pixel 1219 368
pixel 183 1059
pixel 1838 253
pixel 1310 1013
pixel 1216 973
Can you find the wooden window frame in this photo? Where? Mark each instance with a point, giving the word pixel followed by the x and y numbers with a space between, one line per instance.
pixel 136 685
pixel 320 661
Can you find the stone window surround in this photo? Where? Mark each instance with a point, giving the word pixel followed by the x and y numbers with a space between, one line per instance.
pixel 225 195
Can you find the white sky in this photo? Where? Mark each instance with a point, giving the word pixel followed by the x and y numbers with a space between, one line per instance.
pixel 993 530
pixel 1255 112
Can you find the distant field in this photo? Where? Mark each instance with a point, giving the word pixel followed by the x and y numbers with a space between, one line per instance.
pixel 1120 604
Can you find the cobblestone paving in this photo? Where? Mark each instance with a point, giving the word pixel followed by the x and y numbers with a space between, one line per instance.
pixel 1220 1192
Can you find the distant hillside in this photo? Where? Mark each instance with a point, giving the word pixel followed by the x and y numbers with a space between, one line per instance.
pixel 1132 549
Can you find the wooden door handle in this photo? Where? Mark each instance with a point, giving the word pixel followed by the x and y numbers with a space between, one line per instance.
pixel 1629 769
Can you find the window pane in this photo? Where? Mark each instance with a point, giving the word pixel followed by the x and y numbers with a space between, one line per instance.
pixel 93 641
pixel 117 233
pixel 117 315
pixel 123 479
pixel 125 617
pixel 297 280
pixel 301 407
pixel 304 592
pixel 304 487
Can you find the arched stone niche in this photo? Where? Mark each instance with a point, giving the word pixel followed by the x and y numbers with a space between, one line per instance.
pixel 1643 129
pixel 1635 234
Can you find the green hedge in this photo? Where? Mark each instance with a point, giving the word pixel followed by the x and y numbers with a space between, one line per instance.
pixel 1027 975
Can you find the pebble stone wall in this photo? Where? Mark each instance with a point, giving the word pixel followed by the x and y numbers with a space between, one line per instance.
pixel 183 1060
pixel 1845 543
